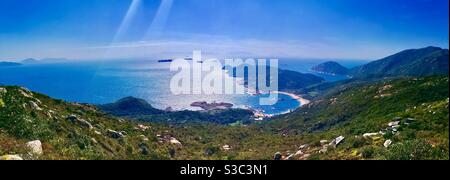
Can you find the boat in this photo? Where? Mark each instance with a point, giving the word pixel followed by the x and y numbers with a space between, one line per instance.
pixel 165 60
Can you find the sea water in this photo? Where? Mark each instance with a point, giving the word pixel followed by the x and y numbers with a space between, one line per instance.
pixel 100 82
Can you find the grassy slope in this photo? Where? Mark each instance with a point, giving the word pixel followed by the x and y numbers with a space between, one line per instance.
pixel 62 139
pixel 355 111
pixel 349 112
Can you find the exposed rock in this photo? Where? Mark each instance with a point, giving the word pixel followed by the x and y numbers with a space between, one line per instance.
pixel 35 147
pixel 323 141
pixel 226 147
pixel 366 135
pixel 277 156
pixel 305 156
pixel 410 120
pixel 175 141
pixel 293 156
pixel 115 134
pixel 337 141
pixel 25 92
pixel 303 146
pixel 85 124
pixel 324 149
pixel 394 123
pixel 34 106
pixel 82 122
pixel 11 157
pixel 387 143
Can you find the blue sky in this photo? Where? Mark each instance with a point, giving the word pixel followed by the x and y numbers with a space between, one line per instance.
pixel 344 29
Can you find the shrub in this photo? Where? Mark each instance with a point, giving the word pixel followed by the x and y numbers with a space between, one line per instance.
pixel 413 150
pixel 359 142
pixel 388 135
pixel 368 152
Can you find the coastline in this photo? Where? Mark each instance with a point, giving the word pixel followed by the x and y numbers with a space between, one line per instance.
pixel 299 98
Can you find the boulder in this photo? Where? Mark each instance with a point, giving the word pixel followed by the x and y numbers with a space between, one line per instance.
pixel 293 156
pixel 394 123
pixel 35 147
pixel 11 157
pixel 175 141
pixel 337 141
pixel 303 146
pixel 277 156
pixel 82 122
pixel 410 120
pixel 324 149
pixel 85 123
pixel 305 156
pixel 366 135
pixel 25 92
pixel 226 147
pixel 387 143
pixel 34 106
pixel 115 134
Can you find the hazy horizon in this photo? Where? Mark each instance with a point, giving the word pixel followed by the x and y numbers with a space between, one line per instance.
pixel 153 29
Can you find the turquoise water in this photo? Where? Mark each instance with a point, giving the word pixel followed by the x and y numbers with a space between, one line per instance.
pixel 108 81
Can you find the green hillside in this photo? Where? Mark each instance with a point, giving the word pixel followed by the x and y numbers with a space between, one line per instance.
pixel 415 62
pixel 355 111
pixel 78 131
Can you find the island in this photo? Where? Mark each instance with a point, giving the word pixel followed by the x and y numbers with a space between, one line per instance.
pixel 212 106
pixel 331 68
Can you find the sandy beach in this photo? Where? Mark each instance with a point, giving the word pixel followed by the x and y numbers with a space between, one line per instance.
pixel 300 99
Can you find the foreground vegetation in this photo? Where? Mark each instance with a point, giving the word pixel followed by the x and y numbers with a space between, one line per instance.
pixel 418 108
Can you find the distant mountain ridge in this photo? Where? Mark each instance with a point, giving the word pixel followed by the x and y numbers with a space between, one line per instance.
pixel 287 80
pixel 29 61
pixel 9 64
pixel 331 67
pixel 414 62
